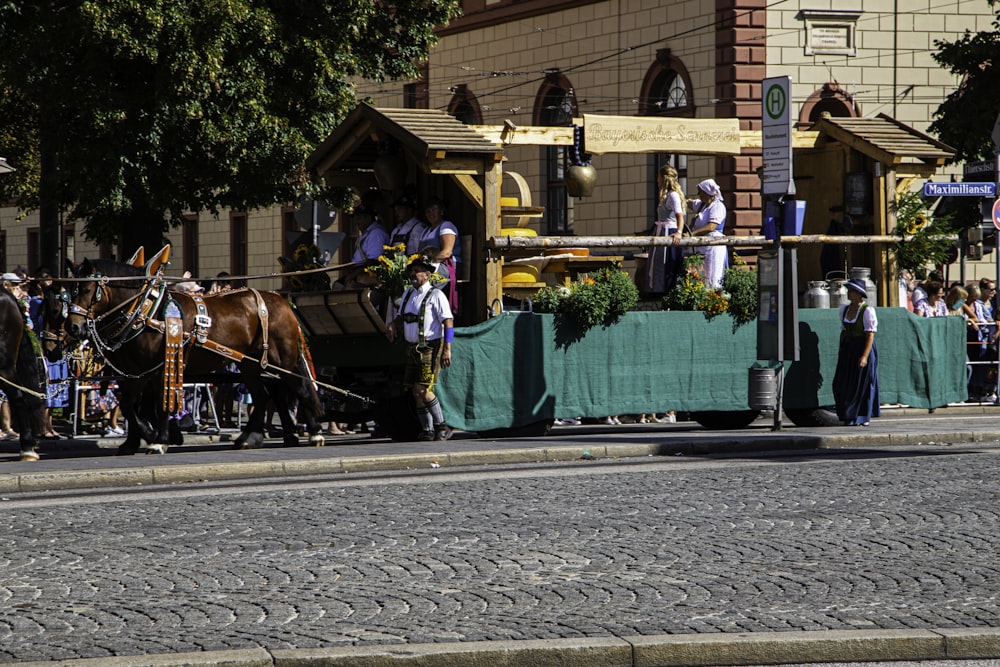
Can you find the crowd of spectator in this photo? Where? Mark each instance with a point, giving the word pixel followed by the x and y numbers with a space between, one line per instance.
pixel 977 303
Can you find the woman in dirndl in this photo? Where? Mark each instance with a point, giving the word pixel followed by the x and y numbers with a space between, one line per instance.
pixel 665 263
pixel 855 382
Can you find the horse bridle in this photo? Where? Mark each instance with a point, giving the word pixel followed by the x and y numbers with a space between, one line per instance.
pixel 99 289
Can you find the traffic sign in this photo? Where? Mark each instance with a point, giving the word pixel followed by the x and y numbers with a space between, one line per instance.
pixel 776 119
pixel 932 189
pixel 996 213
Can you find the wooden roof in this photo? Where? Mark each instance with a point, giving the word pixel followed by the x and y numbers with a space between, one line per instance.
pixel 439 140
pixel 887 140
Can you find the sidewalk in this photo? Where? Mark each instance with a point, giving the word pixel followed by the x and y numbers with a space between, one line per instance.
pixel 91 463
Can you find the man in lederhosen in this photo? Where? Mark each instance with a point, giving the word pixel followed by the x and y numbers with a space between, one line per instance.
pixel 427 325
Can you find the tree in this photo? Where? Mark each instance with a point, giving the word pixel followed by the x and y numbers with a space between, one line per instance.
pixel 126 114
pixel 965 119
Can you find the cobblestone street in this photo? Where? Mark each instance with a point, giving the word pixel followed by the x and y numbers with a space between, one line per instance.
pixel 895 540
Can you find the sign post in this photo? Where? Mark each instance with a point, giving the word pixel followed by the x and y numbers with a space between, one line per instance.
pixel 777 186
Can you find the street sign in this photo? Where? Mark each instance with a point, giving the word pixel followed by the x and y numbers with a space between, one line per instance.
pixel 978 171
pixel 984 189
pixel 996 213
pixel 777 136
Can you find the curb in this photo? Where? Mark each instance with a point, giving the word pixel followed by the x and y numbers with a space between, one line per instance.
pixel 644 651
pixel 167 474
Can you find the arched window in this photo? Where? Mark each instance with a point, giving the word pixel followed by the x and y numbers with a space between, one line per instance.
pixel 464 106
pixel 832 99
pixel 555 104
pixel 665 92
pixel 666 88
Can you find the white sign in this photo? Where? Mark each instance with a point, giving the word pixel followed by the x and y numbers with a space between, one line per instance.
pixel 631 134
pixel 777 135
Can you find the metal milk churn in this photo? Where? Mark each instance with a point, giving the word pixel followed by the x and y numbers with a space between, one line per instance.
pixel 838 293
pixel 817 296
pixel 863 273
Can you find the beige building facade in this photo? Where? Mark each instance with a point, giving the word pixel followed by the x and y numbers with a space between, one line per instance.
pixel 547 62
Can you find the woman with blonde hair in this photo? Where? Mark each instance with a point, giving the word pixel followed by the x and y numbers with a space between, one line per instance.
pixel 665 263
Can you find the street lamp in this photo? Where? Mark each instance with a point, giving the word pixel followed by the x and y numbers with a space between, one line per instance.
pixel 5 168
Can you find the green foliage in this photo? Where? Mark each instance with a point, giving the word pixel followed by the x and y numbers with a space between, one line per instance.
pixel 740 283
pixel 928 242
pixel 738 295
pixel 600 300
pixel 965 119
pixel 187 105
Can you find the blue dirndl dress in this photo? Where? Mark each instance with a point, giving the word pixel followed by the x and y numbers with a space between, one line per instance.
pixel 855 389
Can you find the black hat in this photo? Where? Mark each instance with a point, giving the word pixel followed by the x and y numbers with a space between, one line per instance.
pixel 406 201
pixel 421 263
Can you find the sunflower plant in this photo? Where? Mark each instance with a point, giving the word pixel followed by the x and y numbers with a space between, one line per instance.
pixel 924 239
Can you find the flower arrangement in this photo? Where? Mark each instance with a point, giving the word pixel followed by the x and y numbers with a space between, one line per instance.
pixel 598 300
pixel 738 295
pixel 391 270
pixel 305 257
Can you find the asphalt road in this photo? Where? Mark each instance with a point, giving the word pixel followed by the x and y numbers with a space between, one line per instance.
pixel 851 551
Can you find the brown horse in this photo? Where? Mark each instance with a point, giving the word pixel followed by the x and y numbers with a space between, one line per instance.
pixel 21 375
pixel 126 320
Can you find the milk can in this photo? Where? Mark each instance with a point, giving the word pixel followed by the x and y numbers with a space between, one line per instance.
pixel 863 273
pixel 838 293
pixel 817 296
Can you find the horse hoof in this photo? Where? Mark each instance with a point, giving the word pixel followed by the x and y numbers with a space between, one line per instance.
pixel 156 449
pixel 291 441
pixel 317 440
pixel 29 456
pixel 127 451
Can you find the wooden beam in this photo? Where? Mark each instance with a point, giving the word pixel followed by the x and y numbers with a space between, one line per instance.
pixel 531 135
pixel 455 165
pixel 800 139
pixel 470 187
pixel 357 137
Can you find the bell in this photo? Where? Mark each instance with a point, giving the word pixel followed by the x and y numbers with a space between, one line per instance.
pixel 580 180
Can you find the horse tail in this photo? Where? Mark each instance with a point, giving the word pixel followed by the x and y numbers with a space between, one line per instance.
pixel 307 393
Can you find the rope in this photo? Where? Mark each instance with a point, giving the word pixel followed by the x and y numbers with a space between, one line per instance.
pixel 181 279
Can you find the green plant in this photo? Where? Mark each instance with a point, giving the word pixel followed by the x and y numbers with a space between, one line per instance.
pixel 927 238
pixel 737 296
pixel 740 283
pixel 592 301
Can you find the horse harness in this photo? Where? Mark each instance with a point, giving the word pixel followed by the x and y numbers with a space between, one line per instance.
pixel 141 314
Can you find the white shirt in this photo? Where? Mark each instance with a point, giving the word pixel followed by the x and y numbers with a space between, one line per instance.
pixel 436 312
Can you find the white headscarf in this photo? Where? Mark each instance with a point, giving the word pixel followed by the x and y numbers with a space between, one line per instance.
pixel 710 188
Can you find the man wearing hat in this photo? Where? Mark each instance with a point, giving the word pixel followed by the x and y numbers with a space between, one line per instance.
pixel 855 382
pixel 426 323
pixel 409 229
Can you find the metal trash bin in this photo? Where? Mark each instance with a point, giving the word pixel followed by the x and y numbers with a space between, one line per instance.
pixel 762 393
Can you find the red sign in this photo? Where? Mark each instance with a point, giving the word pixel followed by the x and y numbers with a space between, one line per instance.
pixel 996 213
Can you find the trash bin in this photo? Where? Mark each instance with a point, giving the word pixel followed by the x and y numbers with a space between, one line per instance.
pixel 762 393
